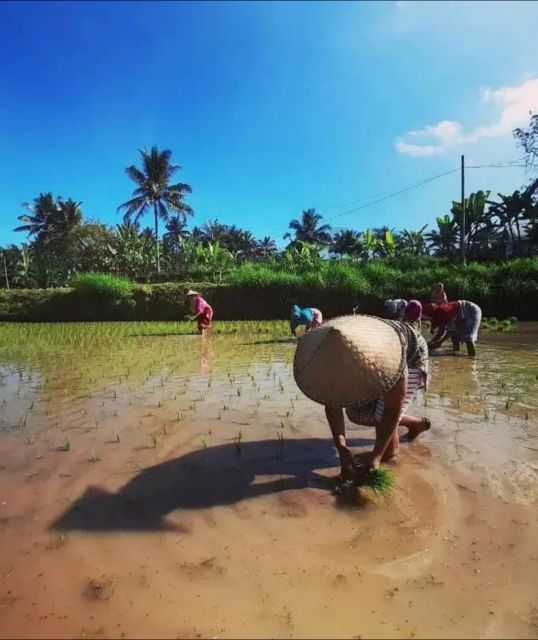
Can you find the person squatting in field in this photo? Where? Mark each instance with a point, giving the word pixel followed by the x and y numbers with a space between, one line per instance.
pixel 308 316
pixel 371 368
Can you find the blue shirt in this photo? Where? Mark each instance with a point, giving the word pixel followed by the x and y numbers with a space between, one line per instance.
pixel 301 316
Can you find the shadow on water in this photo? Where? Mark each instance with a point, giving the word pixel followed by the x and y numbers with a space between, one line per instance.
pixel 202 479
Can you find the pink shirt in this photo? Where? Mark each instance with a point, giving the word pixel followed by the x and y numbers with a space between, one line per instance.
pixel 200 305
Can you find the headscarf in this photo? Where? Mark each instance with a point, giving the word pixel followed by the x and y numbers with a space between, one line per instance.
pixel 439 294
pixel 413 311
pixel 396 307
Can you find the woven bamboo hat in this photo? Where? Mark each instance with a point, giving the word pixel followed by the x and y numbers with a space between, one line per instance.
pixel 349 359
pixel 190 292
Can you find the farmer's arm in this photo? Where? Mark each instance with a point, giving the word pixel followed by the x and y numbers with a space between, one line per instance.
pixel 393 401
pixel 335 416
pixel 438 338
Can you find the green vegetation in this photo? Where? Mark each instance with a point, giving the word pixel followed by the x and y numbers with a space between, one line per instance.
pixel 102 286
pixel 81 269
pixel 267 290
pixel 381 480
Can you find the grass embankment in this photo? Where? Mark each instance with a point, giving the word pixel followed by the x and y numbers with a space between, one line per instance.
pixel 261 291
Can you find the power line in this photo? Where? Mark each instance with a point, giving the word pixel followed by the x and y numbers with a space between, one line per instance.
pixel 393 194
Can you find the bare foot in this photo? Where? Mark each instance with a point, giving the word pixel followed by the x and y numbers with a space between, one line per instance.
pixel 416 429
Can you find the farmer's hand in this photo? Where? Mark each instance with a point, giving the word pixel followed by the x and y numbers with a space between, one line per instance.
pixel 365 464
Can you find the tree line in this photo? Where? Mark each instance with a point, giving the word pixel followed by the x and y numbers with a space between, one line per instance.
pixel 62 242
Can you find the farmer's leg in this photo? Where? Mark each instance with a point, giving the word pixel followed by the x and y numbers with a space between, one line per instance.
pixel 385 430
pixel 415 426
pixel 393 448
pixel 455 343
pixel 471 350
pixel 335 417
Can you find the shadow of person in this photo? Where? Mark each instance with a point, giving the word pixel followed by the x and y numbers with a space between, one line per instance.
pixel 209 477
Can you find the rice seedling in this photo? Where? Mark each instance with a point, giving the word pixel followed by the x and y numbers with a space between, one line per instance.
pixel 117 438
pixel 94 458
pixel 237 442
pixel 30 440
pixel 154 441
pixel 280 449
pixel 381 480
pixel 66 445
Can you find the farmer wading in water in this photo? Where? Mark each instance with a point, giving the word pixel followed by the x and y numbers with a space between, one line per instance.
pixel 203 313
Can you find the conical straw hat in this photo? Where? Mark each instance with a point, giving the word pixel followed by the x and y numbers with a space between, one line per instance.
pixel 349 359
pixel 190 292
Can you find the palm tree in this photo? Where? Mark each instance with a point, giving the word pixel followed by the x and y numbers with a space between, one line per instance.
pixel 444 239
pixel 43 207
pixel 307 230
pixel 176 230
pixel 513 210
pixel 266 248
pixel 346 243
pixel 155 191
pixel 213 231
pixel 68 215
pixel 413 242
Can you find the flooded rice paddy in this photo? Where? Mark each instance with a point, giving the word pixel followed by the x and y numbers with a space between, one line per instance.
pixel 159 484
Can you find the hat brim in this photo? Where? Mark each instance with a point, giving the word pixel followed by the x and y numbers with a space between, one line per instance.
pixel 349 359
pixel 190 292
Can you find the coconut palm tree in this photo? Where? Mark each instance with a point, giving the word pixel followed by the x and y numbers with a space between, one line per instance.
pixel 155 191
pixel 41 210
pixel 413 242
pixel 307 230
pixel 266 248
pixel 346 243
pixel 213 231
pixel 176 230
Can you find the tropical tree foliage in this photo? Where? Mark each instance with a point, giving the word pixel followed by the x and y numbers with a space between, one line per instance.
pixel 307 230
pixel 60 242
pixel 527 138
pixel 155 191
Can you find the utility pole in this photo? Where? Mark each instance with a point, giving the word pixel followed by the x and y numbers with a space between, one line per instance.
pixel 462 228
pixel 5 269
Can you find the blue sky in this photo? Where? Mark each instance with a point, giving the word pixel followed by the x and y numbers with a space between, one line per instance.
pixel 270 108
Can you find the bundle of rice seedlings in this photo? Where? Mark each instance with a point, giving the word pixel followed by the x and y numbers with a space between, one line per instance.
pixel 380 480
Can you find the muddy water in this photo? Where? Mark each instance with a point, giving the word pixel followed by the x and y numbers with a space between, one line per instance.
pixel 155 484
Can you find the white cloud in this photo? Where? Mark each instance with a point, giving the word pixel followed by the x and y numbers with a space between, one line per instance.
pixel 511 106
pixel 418 149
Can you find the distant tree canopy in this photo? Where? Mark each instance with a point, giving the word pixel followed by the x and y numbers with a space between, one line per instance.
pixel 62 242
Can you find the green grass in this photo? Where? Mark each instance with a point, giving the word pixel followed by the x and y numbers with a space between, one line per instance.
pixel 102 285
pixel 267 290
pixel 381 480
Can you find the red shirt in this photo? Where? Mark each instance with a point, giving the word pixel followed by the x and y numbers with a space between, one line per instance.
pixel 442 314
